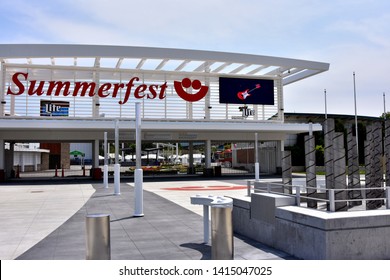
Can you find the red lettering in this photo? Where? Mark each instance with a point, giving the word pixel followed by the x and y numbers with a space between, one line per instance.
pixel 84 87
pixel 129 85
pixel 163 87
pixel 103 88
pixel 38 91
pixel 152 91
pixel 116 88
pixel 139 90
pixel 58 86
pixel 17 83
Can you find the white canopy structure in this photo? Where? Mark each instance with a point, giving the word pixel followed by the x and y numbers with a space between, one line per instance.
pixel 76 92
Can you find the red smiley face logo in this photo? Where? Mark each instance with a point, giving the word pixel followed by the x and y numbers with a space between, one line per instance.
pixel 187 83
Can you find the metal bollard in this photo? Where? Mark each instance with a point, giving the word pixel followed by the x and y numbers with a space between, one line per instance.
pixel 222 247
pixel 98 237
pixel 249 187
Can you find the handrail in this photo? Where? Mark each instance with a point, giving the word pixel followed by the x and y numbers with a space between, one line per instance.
pixel 331 193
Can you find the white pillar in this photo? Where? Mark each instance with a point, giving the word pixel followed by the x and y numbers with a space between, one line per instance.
pixel 257 165
pixel 208 154
pixel 95 99
pixel 95 153
pixel 2 154
pixel 35 161
pixel 105 168
pixel 138 174
pixel 117 166
pixel 191 155
pixel 2 90
pixel 177 150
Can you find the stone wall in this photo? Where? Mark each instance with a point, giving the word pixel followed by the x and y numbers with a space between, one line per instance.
pixel 311 234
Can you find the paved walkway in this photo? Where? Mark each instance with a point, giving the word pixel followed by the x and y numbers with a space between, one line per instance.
pixel 48 221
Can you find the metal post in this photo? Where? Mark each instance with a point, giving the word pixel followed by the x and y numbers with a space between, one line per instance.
pixel 248 187
pixel 105 168
pixel 387 197
pixel 138 174
pixel 98 242
pixel 331 200
pixel 326 109
pixel 206 224
pixel 117 166
pixel 298 195
pixel 257 165
pixel 222 247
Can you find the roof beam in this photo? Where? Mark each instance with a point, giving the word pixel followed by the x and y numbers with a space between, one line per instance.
pixel 201 67
pixel 238 69
pixel 299 76
pixel 119 63
pixel 162 64
pixel 291 72
pixel 141 63
pixel 254 71
pixel 221 67
pixel 97 62
pixel 182 65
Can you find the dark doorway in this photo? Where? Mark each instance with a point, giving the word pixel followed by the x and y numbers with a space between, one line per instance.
pixel 54 161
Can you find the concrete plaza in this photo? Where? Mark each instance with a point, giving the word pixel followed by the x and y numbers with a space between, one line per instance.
pixel 46 220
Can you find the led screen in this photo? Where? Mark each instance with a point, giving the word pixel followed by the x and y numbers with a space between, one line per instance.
pixel 246 91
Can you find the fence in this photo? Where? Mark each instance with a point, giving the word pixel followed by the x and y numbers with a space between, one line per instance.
pixel 297 191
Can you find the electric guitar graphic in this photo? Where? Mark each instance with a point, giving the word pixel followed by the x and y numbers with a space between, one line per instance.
pixel 242 95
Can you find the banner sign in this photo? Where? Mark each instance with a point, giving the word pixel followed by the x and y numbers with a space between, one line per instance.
pixel 246 91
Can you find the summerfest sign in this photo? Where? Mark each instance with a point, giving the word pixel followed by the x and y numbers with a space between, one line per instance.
pixel 105 90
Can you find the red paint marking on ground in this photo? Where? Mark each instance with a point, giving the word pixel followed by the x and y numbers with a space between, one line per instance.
pixel 205 188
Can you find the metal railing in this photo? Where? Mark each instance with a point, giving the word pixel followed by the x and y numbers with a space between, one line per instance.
pixel 288 190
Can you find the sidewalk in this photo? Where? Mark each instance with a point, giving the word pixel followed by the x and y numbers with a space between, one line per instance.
pixel 169 229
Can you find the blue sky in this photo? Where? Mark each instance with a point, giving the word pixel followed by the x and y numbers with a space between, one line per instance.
pixel 353 36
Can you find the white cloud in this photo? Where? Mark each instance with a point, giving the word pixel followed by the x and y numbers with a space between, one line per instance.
pixel 351 35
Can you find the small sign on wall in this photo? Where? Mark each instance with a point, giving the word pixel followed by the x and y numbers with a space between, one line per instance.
pixel 51 108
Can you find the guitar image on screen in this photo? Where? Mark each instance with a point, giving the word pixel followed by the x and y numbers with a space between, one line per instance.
pixel 242 95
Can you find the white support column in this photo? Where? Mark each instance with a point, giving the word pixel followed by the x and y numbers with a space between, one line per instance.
pixel 21 161
pixel 207 98
pixel 95 99
pixel 35 161
pixel 138 175
pixel 12 103
pixel 105 168
pixel 117 166
pixel 191 155
pixel 257 164
pixel 280 99
pixel 95 154
pixel 208 154
pixel 2 89
pixel 2 154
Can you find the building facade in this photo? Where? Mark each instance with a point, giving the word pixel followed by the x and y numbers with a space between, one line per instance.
pixel 75 93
